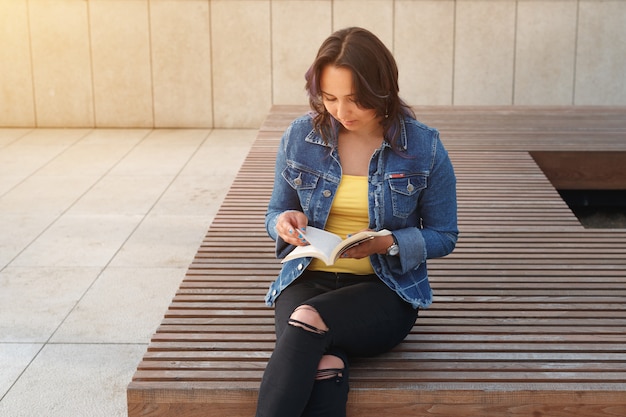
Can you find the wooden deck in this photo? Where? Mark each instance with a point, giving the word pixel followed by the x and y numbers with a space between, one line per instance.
pixel 529 316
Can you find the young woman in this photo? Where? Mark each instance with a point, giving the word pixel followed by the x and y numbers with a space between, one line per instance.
pixel 360 160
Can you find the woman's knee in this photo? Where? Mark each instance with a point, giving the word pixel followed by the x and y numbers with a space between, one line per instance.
pixel 330 367
pixel 309 319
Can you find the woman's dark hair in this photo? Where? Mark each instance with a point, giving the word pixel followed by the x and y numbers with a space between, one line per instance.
pixel 375 78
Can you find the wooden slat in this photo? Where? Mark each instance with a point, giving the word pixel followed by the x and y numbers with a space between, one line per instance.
pixel 529 314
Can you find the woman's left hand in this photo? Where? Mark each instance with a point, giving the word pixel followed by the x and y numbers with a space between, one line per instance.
pixel 379 245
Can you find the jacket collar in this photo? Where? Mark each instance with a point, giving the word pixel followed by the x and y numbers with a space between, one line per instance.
pixel 315 138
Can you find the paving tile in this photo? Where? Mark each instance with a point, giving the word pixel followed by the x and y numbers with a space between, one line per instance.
pixel 44 195
pixel 194 195
pixel 8 136
pixel 14 358
pixel 162 152
pixel 163 241
pixel 80 240
pixel 204 181
pixel 96 153
pixel 74 381
pixel 223 151
pixel 98 229
pixel 35 301
pixel 19 231
pixel 125 305
pixel 122 195
pixel 32 151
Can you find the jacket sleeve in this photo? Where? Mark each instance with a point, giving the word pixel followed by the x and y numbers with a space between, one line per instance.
pixel 283 197
pixel 438 233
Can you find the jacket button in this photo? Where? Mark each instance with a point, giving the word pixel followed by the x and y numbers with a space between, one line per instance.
pixel 274 292
pixel 410 187
pixel 297 181
pixel 300 267
pixel 326 193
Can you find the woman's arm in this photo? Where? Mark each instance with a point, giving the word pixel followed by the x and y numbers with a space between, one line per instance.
pixel 284 214
pixel 438 233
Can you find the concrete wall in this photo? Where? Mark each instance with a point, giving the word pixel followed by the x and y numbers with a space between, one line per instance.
pixel 223 63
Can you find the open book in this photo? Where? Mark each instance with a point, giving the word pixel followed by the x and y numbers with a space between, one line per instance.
pixel 328 246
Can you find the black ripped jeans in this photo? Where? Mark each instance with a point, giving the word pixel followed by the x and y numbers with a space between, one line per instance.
pixel 364 318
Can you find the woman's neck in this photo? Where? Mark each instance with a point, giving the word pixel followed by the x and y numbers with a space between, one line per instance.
pixel 356 150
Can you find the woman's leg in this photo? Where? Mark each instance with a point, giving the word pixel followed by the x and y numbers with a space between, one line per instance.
pixel 368 318
pixel 330 390
pixel 291 371
pixel 304 288
pixel 365 317
pixel 301 341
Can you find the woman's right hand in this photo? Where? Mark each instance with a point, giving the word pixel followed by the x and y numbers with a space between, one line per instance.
pixel 289 226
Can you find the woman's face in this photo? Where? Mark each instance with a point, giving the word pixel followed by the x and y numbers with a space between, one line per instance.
pixel 340 101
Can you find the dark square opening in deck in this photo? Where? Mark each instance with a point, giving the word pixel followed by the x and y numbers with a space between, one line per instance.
pixel 593 184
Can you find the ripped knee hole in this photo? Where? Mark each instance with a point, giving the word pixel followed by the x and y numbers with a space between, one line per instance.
pixel 306 326
pixel 309 314
pixel 331 373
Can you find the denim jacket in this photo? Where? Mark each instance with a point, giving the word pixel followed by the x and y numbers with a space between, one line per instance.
pixel 411 193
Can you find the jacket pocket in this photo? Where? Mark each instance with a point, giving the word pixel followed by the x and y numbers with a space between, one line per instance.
pixel 405 191
pixel 303 182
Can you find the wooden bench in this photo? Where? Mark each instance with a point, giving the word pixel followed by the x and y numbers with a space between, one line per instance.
pixel 529 316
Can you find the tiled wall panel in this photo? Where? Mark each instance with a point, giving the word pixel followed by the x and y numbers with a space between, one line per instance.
pixel 223 63
pixel 17 107
pixel 121 63
pixel 424 50
pixel 484 52
pixel 181 63
pixel 241 62
pixel 601 57
pixel 298 29
pixel 61 61
pixel 545 52
pixel 374 15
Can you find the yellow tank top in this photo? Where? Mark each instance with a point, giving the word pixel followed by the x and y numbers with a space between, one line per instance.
pixel 348 214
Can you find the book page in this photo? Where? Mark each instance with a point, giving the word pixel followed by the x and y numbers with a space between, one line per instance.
pixel 321 239
pixel 321 245
pixel 328 246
